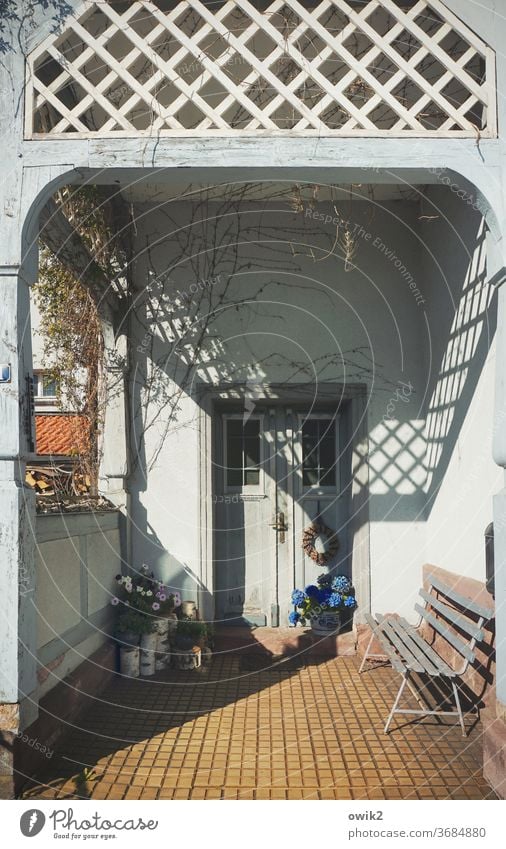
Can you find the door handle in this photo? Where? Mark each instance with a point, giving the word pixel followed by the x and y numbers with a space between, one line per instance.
pixel 280 525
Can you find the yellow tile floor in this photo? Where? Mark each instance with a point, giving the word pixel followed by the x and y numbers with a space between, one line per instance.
pixel 228 732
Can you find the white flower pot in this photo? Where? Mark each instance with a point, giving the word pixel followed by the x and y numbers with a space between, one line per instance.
pixel 162 657
pixel 148 649
pixel 172 623
pixel 327 622
pixel 129 661
pixel 188 659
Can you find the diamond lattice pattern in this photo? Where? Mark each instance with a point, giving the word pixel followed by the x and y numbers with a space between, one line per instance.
pixel 342 68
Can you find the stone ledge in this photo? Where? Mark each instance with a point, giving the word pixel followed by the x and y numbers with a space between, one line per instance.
pixel 494 750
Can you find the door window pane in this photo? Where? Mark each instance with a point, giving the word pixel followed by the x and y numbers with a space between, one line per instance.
pixel 251 477
pixel 319 452
pixel 310 477
pixel 252 444
pixel 234 477
pixel 243 452
pixel 234 453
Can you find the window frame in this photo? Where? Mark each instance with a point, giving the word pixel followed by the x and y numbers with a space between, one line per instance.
pixel 317 489
pixel 246 489
pixel 38 380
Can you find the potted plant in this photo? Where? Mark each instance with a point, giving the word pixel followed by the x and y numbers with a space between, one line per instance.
pixel 190 633
pixel 143 592
pixel 131 625
pixel 324 603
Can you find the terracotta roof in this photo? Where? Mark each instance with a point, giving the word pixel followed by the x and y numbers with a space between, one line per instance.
pixel 60 435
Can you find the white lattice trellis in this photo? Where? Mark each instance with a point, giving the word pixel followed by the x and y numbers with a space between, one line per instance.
pixel 332 68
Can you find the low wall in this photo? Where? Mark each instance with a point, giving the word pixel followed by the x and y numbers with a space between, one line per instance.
pixel 77 558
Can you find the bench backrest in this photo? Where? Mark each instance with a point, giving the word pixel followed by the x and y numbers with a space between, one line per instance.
pixel 443 599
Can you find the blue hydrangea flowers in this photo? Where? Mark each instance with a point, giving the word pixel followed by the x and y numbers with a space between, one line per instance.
pixel 335 600
pixel 330 593
pixel 341 584
pixel 298 598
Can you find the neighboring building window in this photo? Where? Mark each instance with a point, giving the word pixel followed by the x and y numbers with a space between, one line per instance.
pixel 242 458
pixel 319 452
pixel 45 385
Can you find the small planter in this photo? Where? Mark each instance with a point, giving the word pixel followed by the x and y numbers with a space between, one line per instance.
pixel 184 643
pixel 190 659
pixel 129 661
pixel 326 623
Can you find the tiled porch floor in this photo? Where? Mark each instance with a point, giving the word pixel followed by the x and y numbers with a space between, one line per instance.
pixel 226 732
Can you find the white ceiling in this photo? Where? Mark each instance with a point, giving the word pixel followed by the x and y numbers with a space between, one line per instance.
pixel 146 189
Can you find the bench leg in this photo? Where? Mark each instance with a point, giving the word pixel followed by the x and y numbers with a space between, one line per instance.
pixel 397 700
pixel 459 708
pixel 369 644
pixel 416 694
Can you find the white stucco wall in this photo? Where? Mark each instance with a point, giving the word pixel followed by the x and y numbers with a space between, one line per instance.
pixel 307 313
pixel 460 400
pixel 411 320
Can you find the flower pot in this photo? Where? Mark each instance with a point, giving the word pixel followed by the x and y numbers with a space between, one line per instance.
pixel 183 642
pixel 129 661
pixel 162 657
pixel 148 649
pixel 188 659
pixel 172 621
pixel 128 638
pixel 327 622
pixel 206 655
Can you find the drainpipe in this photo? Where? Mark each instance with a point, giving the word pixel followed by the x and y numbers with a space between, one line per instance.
pixel 128 443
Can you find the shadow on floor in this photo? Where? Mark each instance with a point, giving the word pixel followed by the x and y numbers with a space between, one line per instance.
pixel 256 727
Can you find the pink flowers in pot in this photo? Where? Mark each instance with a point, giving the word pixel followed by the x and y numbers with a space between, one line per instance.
pixel 143 593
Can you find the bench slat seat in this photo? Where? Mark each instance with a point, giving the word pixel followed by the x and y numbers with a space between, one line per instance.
pixel 388 650
pixel 402 643
pixel 409 652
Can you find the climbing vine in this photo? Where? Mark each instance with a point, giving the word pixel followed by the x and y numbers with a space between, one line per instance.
pixel 72 315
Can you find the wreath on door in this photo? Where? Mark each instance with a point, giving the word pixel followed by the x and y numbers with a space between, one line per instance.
pixel 311 534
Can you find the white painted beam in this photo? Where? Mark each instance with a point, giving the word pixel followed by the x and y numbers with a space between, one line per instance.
pixel 17 502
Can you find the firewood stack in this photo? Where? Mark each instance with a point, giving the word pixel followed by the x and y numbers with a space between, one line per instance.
pixel 53 481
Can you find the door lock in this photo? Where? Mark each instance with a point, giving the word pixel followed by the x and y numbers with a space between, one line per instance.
pixel 280 526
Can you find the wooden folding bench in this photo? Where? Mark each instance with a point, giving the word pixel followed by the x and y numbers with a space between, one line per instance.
pixel 408 652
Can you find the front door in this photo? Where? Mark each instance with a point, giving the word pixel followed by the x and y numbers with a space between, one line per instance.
pixel 275 471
